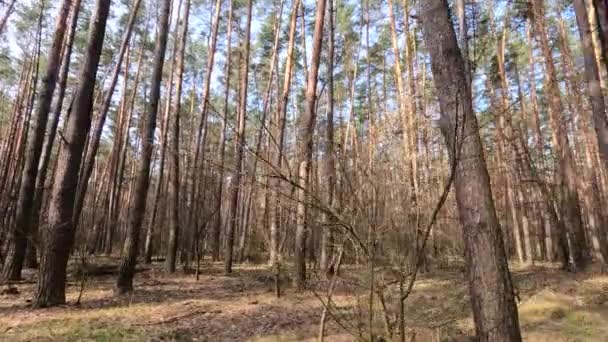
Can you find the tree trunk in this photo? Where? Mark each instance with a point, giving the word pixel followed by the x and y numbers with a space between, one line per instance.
pixel 327 238
pixel 565 175
pixel 239 147
pixel 58 235
pixel 400 89
pixel 490 287
pixel 217 227
pixel 174 182
pixel 279 134
pixel 164 135
pixel 586 142
pixel 95 138
pixel 23 219
pixel 601 13
pixel 124 281
pixel 512 194
pixel 6 15
pixel 592 75
pixel 215 233
pixel 305 130
pixel 124 121
pixel 45 156
pixel 31 260
pixel 201 134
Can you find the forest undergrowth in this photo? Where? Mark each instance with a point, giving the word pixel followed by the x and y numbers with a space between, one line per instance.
pixel 553 305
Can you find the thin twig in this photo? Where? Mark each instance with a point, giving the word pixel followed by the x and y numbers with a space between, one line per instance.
pixel 176 318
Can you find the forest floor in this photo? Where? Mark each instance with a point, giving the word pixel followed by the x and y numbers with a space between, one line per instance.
pixel 554 306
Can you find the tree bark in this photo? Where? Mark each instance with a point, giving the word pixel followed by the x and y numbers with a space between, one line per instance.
pixel 239 147
pixel 279 136
pixel 592 75
pixel 58 235
pixel 512 194
pixel 174 181
pixel 105 107
pixel 23 219
pixel 327 238
pixel 6 15
pixel 217 227
pixel 305 130
pixel 45 156
pixel 565 175
pixel 586 143
pixel 124 281
pixel 215 233
pixel 601 13
pixel 490 287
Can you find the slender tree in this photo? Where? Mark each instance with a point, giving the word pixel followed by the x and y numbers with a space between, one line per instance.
pixel 490 287
pixel 279 137
pixel 58 234
pixel 105 107
pixel 124 281
pixel 161 184
pixel 215 233
pixel 7 14
pixel 565 173
pixel 45 156
pixel 174 182
pixel 305 130
pixel 217 227
pixel 239 143
pixel 327 238
pixel 23 219
pixel 592 75
pixel 601 13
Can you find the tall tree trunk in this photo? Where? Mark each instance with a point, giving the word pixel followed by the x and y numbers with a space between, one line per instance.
pixel 490 287
pixel 174 182
pixel 540 142
pixel 305 130
pixel 586 142
pixel 512 194
pixel 217 227
pixel 25 107
pixel 124 120
pixel 124 281
pixel 279 134
pixel 58 235
pixel 9 148
pixel 20 230
pixel 592 75
pixel 239 147
pixel 327 238
pixel 95 138
pixel 565 173
pixel 7 14
pixel 164 137
pixel 409 53
pixel 201 134
pixel 400 86
pixel 215 233
pixel 263 120
pixel 601 13
pixel 123 147
pixel 31 260
pixel 45 156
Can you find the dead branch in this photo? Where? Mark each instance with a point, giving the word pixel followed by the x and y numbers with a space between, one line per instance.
pixel 177 318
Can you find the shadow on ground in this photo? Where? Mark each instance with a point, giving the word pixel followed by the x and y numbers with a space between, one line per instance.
pixel 554 306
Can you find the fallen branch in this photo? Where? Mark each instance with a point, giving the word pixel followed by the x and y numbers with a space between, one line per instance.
pixel 176 318
pixel 17 282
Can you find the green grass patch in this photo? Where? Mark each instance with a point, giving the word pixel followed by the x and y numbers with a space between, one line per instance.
pixel 74 330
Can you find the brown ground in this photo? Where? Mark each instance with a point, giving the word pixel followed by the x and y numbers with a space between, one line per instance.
pixel 555 306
